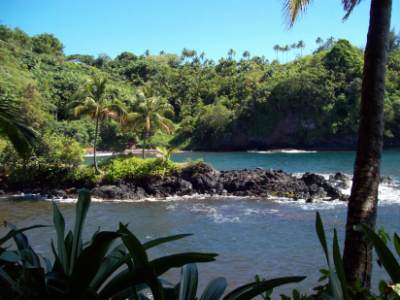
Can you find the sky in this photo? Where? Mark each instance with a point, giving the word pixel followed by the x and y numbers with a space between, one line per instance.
pixel 213 26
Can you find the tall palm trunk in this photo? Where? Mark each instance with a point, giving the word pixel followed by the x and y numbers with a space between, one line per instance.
pixel 144 144
pixel 96 133
pixel 362 207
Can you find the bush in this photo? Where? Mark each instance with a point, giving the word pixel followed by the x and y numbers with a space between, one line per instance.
pixel 61 150
pixel 134 168
pixel 55 158
pixel 80 130
pixel 84 176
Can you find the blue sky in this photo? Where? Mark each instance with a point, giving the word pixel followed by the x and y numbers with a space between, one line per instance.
pixel 212 26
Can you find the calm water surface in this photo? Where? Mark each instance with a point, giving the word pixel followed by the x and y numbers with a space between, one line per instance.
pixel 252 236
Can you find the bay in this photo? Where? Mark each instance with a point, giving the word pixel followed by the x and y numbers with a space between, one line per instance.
pixel 252 236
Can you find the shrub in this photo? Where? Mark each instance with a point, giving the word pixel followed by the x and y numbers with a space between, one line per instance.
pixel 84 176
pixel 55 158
pixel 61 150
pixel 135 168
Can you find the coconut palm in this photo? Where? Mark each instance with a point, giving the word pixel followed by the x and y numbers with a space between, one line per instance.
pixel 149 115
pixel 301 45
pixel 13 127
pixel 166 154
pixel 95 102
pixel 277 48
pixel 362 207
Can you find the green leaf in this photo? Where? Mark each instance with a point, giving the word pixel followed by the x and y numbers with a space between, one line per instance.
pixel 296 295
pixel 110 264
pixel 57 267
pixel 10 256
pixel 82 207
pixel 122 281
pixel 135 248
pixel 385 255
pixel 337 259
pixel 29 257
pixel 163 264
pixel 156 288
pixel 319 226
pixel 89 261
pixel 335 285
pixel 254 289
pixel 14 285
pixel 59 224
pixel 396 243
pixel 68 243
pixel 188 283
pixel 396 289
pixel 162 240
pixel 215 289
pixel 13 232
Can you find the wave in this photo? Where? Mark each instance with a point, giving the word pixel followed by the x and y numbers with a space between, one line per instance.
pixel 389 193
pixel 285 151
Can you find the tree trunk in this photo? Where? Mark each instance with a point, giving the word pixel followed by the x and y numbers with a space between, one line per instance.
pixel 144 144
pixel 362 207
pixel 96 132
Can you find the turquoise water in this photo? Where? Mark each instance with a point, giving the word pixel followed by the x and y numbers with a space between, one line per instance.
pixel 320 162
pixel 252 236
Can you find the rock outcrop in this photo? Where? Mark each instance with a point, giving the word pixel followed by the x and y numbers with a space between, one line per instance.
pixel 203 179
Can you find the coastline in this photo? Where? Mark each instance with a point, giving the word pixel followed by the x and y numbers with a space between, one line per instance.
pixel 202 179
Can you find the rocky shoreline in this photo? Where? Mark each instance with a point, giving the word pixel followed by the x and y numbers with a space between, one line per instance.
pixel 201 178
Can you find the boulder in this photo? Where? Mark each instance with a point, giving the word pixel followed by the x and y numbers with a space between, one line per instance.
pixel 57 194
pixel 114 192
pixel 386 180
pixel 202 176
pixel 340 180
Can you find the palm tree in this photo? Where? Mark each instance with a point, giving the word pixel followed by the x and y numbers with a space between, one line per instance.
pixel 13 126
pixel 95 102
pixel 231 54
pixel 362 207
pixel 301 45
pixel 319 41
pixel 277 48
pixel 286 50
pixel 150 115
pixel 166 154
pixel 246 54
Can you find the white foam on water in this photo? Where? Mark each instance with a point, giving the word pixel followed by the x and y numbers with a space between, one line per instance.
pixel 285 151
pixel 214 214
pixel 389 193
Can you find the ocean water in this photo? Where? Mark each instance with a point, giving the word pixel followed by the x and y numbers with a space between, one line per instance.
pixel 268 237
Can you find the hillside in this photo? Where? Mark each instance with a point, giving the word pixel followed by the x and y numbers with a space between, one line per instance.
pixel 235 103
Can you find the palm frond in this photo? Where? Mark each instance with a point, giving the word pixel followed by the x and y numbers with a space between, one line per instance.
pixel 134 120
pixel 13 126
pixel 348 6
pixel 164 124
pixel 88 107
pixel 292 9
pixel 118 108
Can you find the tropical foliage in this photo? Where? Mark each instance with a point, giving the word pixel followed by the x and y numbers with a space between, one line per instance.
pixel 96 103
pixel 149 115
pixel 237 102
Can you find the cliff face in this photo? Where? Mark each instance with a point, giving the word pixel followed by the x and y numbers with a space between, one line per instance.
pixel 291 131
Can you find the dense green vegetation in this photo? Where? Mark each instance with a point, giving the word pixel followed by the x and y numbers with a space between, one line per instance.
pixel 235 103
pixel 58 164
